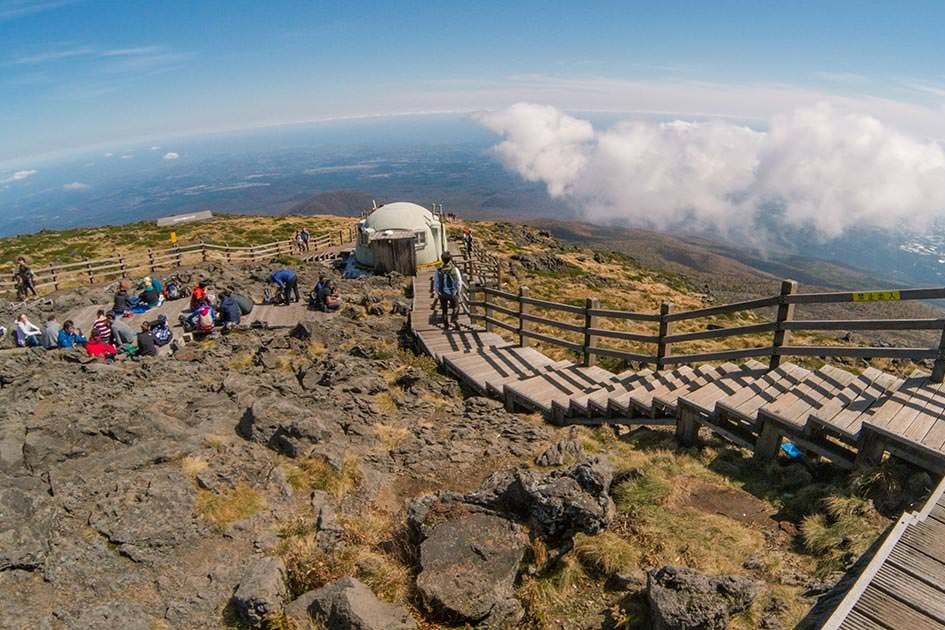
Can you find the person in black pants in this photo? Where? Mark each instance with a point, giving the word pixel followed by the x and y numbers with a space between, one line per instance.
pixel 288 283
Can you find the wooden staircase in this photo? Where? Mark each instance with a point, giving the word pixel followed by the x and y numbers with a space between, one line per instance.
pixel 829 412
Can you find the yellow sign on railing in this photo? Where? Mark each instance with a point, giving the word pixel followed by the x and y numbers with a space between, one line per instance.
pixel 876 296
pixel 174 238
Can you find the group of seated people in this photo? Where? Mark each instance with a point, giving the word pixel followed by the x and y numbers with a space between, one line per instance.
pixel 207 311
pixel 324 297
pixel 109 337
pixel 152 293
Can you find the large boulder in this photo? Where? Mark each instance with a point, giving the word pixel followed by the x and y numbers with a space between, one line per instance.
pixel 28 517
pixel 555 505
pixel 681 598
pixel 261 592
pixel 282 426
pixel 348 604
pixel 468 569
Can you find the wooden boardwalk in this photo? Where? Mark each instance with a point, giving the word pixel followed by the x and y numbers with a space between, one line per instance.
pixel 829 412
pixel 903 586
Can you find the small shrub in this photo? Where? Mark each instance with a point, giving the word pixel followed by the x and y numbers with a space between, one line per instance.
pixel 193 465
pixel 315 473
pixel 640 493
pixel 606 554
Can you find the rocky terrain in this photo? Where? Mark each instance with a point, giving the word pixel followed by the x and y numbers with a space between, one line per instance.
pixel 327 476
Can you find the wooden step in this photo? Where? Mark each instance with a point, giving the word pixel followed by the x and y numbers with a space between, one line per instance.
pixel 441 343
pixel 496 366
pixel 911 422
pixel 538 393
pixel 640 398
pixel 741 407
pixel 598 403
pixel 664 401
pixel 842 416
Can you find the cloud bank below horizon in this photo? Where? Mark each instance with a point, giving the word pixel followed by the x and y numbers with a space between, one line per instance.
pixel 818 168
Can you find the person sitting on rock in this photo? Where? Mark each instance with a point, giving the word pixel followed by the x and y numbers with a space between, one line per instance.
pixel 198 295
pixel 145 341
pixel 70 336
pixel 288 283
pixel 201 319
pixel 97 347
pixel 149 295
pixel 121 332
pixel 315 297
pixel 330 299
pixel 102 327
pixel 27 333
pixel 123 302
pixel 51 333
pixel 229 311
pixel 161 331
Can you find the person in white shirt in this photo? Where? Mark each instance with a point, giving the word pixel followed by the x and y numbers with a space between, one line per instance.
pixel 27 332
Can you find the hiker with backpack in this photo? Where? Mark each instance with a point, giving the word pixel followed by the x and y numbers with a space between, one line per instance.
pixel 315 297
pixel 447 288
pixel 161 331
pixel 287 282
pixel 198 295
pixel 305 237
pixel 172 291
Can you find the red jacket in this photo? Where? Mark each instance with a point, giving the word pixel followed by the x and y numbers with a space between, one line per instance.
pixel 100 349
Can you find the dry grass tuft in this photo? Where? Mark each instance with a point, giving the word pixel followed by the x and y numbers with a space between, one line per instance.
pixel 391 436
pixel 242 360
pixel 229 506
pixel 316 348
pixel 606 554
pixel 315 473
pixel 193 465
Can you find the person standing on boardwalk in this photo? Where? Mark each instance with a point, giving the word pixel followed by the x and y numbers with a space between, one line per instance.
pixel 305 238
pixel 467 242
pixel 26 281
pixel 447 288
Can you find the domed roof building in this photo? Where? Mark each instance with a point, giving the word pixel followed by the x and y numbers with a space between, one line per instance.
pixel 397 221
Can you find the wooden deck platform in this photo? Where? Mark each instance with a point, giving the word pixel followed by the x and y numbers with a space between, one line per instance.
pixel 903 586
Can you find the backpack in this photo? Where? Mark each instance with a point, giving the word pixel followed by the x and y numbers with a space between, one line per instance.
pixel 173 291
pixel 161 332
pixel 447 283
pixel 205 320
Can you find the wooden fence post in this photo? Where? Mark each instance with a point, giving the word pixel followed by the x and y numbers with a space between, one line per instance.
pixel 785 314
pixel 664 349
pixel 523 325
pixel 88 268
pixel 177 251
pixel 488 313
pixel 151 260
pixel 121 264
pixel 203 251
pixel 341 237
pixel 938 368
pixel 55 279
pixel 590 341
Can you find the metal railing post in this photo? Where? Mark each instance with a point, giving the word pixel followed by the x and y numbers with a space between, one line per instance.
pixel 785 313
pixel 590 341
pixel 664 349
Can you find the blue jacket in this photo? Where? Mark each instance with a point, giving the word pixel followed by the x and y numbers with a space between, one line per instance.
pixel 230 310
pixel 68 340
pixel 283 276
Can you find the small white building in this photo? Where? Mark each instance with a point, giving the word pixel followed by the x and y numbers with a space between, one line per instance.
pixel 393 218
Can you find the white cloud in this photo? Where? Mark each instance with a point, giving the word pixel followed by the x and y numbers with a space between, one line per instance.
pixel 127 156
pixel 155 148
pixel 76 186
pixel 170 155
pixel 18 176
pixel 108 155
pixel 820 167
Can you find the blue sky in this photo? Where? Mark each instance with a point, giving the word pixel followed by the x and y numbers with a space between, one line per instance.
pixel 79 74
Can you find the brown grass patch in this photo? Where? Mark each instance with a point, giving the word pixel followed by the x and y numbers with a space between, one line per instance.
pixel 229 506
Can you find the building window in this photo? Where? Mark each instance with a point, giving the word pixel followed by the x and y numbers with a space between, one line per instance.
pixel 421 239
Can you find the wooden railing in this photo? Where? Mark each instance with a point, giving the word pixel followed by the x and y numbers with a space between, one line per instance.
pixel 55 277
pixel 587 324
